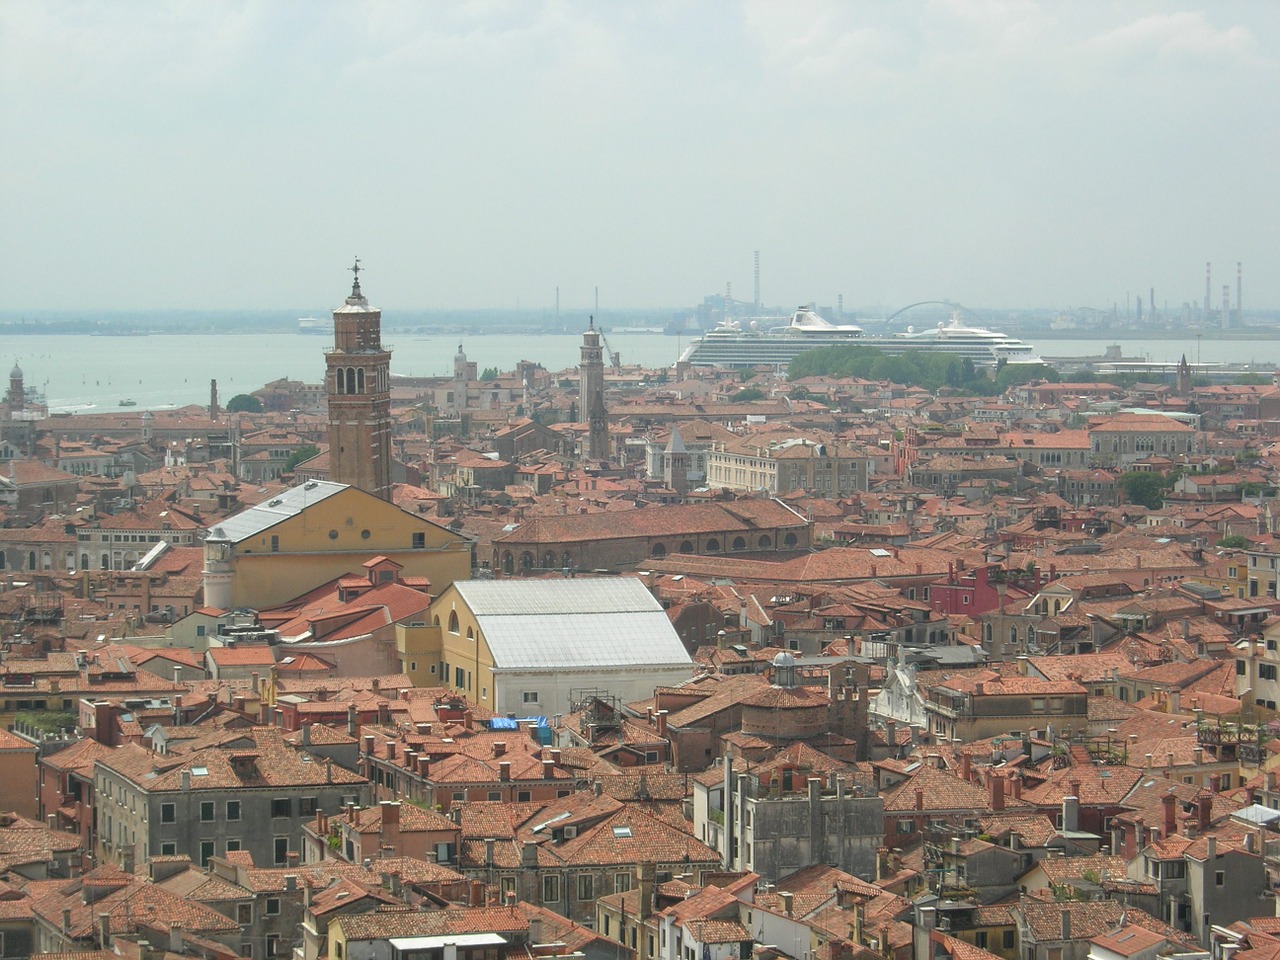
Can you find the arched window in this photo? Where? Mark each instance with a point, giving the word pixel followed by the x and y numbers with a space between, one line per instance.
pixel 549 560
pixel 106 561
pixel 339 383
pixel 713 545
pixel 765 541
pixel 508 563
pixel 686 546
pixel 1013 636
pixel 436 620
pixel 659 550
pixel 4 560
pixel 31 560
pixel 471 634
pixel 739 543
pixel 526 561
pixel 566 560
pixel 789 540
pixel 453 621
pixel 360 380
pixel 351 380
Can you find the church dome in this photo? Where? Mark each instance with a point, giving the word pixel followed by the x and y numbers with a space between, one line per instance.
pixel 15 373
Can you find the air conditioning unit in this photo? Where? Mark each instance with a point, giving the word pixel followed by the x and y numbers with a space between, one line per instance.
pixel 570 832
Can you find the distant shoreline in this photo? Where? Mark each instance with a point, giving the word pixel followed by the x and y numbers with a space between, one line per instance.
pixel 502 328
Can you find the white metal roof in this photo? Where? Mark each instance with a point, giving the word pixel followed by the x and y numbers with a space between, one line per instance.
pixel 267 514
pixel 572 624
pixel 583 595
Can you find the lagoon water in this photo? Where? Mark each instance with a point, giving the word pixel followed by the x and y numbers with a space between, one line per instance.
pixel 82 373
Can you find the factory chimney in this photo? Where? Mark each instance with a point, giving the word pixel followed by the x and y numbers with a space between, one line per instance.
pixel 757 298
pixel 1206 290
pixel 1239 291
pixel 1226 306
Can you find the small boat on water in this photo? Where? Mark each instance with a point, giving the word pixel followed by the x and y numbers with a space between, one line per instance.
pixel 128 403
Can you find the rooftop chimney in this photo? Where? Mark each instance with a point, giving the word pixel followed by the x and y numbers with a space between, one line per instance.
pixel 1170 814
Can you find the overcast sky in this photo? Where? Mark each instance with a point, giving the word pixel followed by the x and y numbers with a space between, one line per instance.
pixel 996 152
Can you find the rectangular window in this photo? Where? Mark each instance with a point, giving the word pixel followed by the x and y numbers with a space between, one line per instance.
pixel 281 807
pixel 1220 877
pixel 168 813
pixel 233 843
pixel 586 887
pixel 419 541
pixel 550 889
pixel 308 806
pixel 281 850
pixel 168 848
pixel 273 906
pixel 275 544
pixel 206 851
pixel 1007 940
pixel 206 811
pixel 233 809
pixel 273 945
pixel 529 696
pixel 244 913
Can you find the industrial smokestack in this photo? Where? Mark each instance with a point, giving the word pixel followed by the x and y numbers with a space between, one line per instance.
pixel 1226 305
pixel 757 291
pixel 1206 289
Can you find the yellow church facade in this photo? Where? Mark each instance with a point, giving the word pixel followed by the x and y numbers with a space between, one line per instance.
pixel 316 532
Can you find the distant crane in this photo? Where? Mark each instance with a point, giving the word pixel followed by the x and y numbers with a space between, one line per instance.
pixel 615 358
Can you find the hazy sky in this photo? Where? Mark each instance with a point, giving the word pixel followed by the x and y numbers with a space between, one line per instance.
pixel 997 152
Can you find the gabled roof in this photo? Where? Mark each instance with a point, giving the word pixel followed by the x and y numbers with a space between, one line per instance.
pixel 565 623
pixel 263 516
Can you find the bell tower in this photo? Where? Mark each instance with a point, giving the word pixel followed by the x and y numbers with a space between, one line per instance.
pixel 358 384
pixel 591 394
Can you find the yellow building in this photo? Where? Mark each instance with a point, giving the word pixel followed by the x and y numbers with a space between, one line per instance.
pixel 531 647
pixel 315 532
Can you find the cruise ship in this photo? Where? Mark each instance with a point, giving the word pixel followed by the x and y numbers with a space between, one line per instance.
pixel 735 344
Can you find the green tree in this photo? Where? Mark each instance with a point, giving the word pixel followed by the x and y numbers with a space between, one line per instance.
pixel 747 395
pixel 1234 542
pixel 1140 486
pixel 490 373
pixel 1016 374
pixel 304 452
pixel 244 403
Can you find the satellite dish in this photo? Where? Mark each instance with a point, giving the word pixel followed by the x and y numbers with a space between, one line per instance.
pixel 911 329
pixel 755 324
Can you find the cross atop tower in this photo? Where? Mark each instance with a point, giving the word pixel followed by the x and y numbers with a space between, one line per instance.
pixel 355 283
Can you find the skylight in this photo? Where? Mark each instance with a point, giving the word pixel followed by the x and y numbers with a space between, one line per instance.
pixel 622 832
pixel 199 771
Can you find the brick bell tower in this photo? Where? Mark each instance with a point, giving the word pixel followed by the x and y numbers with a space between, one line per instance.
pixel 358 384
pixel 591 394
